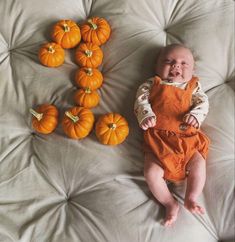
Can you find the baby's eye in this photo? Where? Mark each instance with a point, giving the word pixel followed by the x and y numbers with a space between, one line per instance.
pixel 184 63
pixel 167 61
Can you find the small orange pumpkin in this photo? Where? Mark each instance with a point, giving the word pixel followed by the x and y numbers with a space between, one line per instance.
pixel 111 129
pixel 96 30
pixel 89 55
pixel 45 118
pixel 66 33
pixel 51 54
pixel 78 122
pixel 86 98
pixel 89 77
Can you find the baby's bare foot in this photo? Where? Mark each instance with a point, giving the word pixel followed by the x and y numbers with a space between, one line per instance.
pixel 171 213
pixel 193 207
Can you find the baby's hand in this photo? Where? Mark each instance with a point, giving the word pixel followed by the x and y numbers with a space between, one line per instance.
pixel 191 120
pixel 148 123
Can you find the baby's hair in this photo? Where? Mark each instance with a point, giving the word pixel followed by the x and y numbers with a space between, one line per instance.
pixel 175 45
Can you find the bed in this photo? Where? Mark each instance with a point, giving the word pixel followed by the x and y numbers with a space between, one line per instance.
pixel 56 189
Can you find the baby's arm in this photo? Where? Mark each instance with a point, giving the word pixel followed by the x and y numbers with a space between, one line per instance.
pixel 200 108
pixel 143 111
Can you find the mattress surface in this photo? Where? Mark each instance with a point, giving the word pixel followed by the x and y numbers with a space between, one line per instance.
pixel 56 189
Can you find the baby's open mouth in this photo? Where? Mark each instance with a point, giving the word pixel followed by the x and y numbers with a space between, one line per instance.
pixel 174 74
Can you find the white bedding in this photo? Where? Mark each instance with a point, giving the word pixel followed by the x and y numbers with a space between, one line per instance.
pixel 55 189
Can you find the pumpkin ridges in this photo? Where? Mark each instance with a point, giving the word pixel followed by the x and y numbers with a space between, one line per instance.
pixel 55 60
pixel 44 58
pixel 113 138
pixel 102 128
pixel 82 58
pixel 94 37
pixel 85 116
pixel 106 119
pixel 101 32
pixel 70 131
pixel 119 120
pixel 101 37
pixel 51 61
pixel 80 131
pixel 67 40
pixel 95 60
pixel 68 123
pixel 49 125
pixel 110 118
pixel 106 136
pixel 84 125
pixel 89 34
pixel 116 117
pixel 122 131
pixel 50 118
pixel 59 36
pixel 123 126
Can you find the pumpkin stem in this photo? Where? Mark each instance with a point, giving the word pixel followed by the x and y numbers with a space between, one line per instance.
pixel 37 115
pixel 66 28
pixel 92 24
pixel 51 49
pixel 88 53
pixel 71 116
pixel 112 126
pixel 87 90
pixel 89 71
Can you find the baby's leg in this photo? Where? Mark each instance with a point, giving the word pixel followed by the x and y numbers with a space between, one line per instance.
pixel 195 183
pixel 154 177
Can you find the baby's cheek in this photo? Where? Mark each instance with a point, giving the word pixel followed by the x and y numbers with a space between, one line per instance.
pixel 164 73
pixel 188 76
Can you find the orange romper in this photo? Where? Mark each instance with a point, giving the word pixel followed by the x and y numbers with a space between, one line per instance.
pixel 172 141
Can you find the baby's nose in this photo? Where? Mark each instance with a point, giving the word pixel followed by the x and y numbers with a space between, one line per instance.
pixel 176 65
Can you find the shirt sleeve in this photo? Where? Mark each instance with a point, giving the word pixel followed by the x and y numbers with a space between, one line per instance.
pixel 200 104
pixel 142 106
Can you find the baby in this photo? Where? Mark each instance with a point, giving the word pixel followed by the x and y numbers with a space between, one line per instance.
pixel 170 108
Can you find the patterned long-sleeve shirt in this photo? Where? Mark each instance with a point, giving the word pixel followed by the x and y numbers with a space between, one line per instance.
pixel 143 110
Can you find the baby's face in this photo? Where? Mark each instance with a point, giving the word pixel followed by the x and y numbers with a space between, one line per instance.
pixel 175 65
